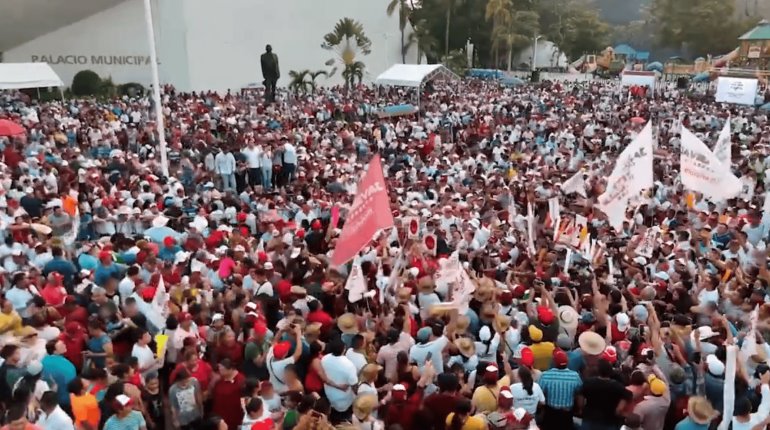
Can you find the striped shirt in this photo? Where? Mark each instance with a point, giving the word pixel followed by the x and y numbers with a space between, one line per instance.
pixel 560 386
pixel 133 421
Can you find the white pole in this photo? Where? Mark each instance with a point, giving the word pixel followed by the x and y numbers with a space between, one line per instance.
pixel 534 55
pixel 156 87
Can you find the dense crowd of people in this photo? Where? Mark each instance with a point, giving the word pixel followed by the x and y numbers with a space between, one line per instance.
pixel 207 299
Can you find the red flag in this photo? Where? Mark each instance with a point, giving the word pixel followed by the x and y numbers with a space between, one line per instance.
pixel 335 216
pixel 370 212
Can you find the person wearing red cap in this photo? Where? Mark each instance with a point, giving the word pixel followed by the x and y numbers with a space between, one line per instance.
pixel 546 318
pixel 255 352
pixel 560 386
pixel 106 269
pixel 315 239
pixel 278 357
pixel 169 250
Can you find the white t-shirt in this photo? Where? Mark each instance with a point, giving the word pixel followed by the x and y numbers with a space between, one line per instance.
pixel 358 359
pixel 419 353
pixel 276 369
pixel 144 355
pixel 522 399
pixel 759 415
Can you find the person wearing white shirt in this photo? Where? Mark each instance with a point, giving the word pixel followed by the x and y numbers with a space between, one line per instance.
pixel 224 164
pixel 743 419
pixel 342 372
pixel 355 355
pixel 253 155
pixel 277 359
pixel 289 161
pixel 53 416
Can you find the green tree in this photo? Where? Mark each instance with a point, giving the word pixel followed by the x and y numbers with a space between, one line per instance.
pixel 86 83
pixel 298 81
pixel 516 32
pixel 353 72
pixel 699 27
pixel 348 40
pixel 574 26
pixel 403 18
pixel 448 6
pixel 498 12
pixel 315 75
pixel 424 40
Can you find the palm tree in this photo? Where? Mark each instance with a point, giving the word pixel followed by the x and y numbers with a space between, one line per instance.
pixel 424 40
pixel 314 75
pixel 348 39
pixel 353 72
pixel 403 19
pixel 449 5
pixel 298 84
pixel 498 12
pixel 517 31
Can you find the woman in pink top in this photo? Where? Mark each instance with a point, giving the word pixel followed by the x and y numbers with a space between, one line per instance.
pixel 226 265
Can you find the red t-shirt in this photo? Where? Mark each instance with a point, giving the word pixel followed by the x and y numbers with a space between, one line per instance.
pixel 53 295
pixel 75 347
pixel 322 317
pixel 227 400
pixel 202 373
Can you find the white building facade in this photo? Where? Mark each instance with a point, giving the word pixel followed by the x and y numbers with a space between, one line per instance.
pixel 212 45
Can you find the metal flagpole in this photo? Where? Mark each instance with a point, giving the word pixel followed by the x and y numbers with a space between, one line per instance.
pixel 156 87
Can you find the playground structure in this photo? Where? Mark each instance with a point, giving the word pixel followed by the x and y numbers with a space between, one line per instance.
pixel 750 59
pixel 604 63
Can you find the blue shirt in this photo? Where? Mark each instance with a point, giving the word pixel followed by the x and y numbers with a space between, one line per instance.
pixel 689 424
pixel 133 421
pixel 96 345
pixel 61 371
pixel 87 262
pixel 19 298
pixel 104 273
pixel 61 266
pixel 559 387
pixel 168 254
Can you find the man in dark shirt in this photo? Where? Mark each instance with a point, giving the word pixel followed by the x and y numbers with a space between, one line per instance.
pixel 32 204
pixel 441 404
pixel 604 397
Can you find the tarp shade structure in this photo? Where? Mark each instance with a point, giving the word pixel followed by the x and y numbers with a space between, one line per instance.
pixel 14 76
pixel 413 75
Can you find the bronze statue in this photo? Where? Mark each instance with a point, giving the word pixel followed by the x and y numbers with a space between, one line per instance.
pixel 270 73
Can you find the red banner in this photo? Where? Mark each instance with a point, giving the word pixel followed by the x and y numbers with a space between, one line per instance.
pixel 335 217
pixel 370 213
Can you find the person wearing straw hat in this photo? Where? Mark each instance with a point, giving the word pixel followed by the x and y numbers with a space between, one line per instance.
pixel 467 355
pixel 585 359
pixel 364 408
pixel 700 413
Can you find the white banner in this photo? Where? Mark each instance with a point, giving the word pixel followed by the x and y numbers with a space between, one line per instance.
pixel 554 213
pixel 356 285
pixel 575 184
pixel 723 149
pixel 702 172
pixel 647 244
pixel 531 229
pixel 631 175
pixel 740 91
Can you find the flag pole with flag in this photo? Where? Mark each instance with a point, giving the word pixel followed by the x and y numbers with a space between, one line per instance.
pixel 369 214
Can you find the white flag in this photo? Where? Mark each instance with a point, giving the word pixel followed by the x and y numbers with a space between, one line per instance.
pixel 575 184
pixel 702 171
pixel 531 229
pixel 356 285
pixel 631 175
pixel 723 148
pixel 69 238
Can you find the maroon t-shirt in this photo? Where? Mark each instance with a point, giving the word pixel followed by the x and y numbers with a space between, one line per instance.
pixel 227 400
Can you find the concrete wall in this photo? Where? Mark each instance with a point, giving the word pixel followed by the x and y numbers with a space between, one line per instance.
pixel 212 45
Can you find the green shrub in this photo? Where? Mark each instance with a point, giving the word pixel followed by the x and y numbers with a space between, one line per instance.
pixel 86 83
pixel 131 89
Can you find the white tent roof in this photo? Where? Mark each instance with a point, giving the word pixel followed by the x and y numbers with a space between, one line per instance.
pixel 413 75
pixel 28 75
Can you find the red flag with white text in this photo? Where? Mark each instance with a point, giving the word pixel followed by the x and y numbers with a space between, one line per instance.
pixel 369 213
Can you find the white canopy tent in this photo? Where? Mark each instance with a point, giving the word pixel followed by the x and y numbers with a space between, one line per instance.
pixel 15 76
pixel 414 76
